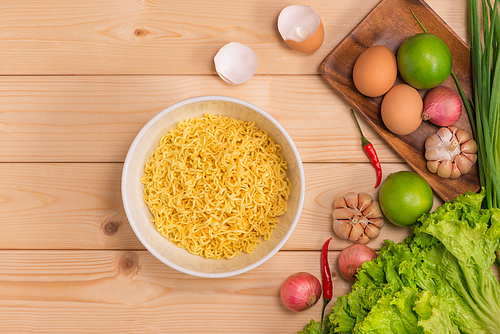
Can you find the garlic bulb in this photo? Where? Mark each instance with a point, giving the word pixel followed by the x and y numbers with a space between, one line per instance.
pixel 357 217
pixel 450 152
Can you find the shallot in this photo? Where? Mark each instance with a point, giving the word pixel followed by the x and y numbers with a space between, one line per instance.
pixel 442 106
pixel 300 291
pixel 351 259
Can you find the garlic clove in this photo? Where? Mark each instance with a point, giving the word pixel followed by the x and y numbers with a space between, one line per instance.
pixel 378 222
pixel 470 146
pixel 432 141
pixel 463 135
pixel 357 231
pixel 373 210
pixel 439 154
pixel 471 157
pixel 343 213
pixel 372 231
pixel 453 129
pixel 339 203
pixel 455 172
pixel 342 228
pixel 301 28
pixel 236 63
pixel 444 134
pixel 351 199
pixel 364 200
pixel 433 165
pixel 463 164
pixel 444 169
pixel 364 239
pixel 434 155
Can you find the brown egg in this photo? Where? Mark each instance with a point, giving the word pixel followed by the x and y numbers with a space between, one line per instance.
pixel 375 71
pixel 401 109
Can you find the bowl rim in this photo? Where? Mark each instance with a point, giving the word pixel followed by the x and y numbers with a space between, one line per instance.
pixel 179 104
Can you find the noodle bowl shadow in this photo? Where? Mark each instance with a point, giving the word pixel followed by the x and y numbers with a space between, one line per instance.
pixel 138 213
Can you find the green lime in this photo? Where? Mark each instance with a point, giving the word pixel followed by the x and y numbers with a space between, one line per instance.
pixel 404 197
pixel 424 61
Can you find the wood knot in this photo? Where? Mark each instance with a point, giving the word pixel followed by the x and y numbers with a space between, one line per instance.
pixel 334 274
pixel 140 32
pixel 111 227
pixel 129 263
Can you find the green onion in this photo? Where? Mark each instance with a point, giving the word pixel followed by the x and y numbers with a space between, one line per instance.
pixel 486 83
pixel 484 109
pixel 485 44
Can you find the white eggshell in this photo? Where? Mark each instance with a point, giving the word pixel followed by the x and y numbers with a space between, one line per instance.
pixel 235 63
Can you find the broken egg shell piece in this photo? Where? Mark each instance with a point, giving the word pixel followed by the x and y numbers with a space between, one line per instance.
pixel 301 28
pixel 235 63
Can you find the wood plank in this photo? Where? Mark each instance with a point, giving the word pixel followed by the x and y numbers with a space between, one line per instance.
pixel 54 206
pixel 78 206
pixel 95 119
pixel 132 292
pixel 167 37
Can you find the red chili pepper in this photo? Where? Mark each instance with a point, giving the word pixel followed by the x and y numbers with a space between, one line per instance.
pixel 326 277
pixel 370 152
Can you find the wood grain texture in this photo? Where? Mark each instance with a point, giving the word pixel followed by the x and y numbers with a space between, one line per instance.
pixel 50 37
pixel 78 206
pixel 95 119
pixel 132 292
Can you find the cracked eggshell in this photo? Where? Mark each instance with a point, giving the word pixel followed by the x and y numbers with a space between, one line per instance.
pixel 235 63
pixel 301 28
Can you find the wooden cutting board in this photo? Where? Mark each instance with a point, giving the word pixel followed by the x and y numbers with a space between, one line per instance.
pixel 389 24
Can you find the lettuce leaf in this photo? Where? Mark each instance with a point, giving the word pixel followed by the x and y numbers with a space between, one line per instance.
pixel 391 314
pixel 470 237
pixel 314 327
pixel 434 315
pixel 438 280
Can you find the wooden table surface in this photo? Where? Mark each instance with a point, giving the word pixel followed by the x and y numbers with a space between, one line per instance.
pixel 78 81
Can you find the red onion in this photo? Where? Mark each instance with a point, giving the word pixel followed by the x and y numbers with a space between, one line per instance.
pixel 352 258
pixel 300 291
pixel 442 106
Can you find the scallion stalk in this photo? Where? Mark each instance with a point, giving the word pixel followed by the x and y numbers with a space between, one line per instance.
pixel 485 117
pixel 485 54
pixel 484 109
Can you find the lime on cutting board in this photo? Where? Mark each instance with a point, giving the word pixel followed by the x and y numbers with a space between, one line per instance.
pixel 424 61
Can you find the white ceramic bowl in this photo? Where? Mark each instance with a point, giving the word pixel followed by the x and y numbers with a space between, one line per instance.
pixel 138 213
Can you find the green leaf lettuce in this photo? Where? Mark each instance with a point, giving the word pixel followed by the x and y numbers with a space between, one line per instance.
pixel 438 280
